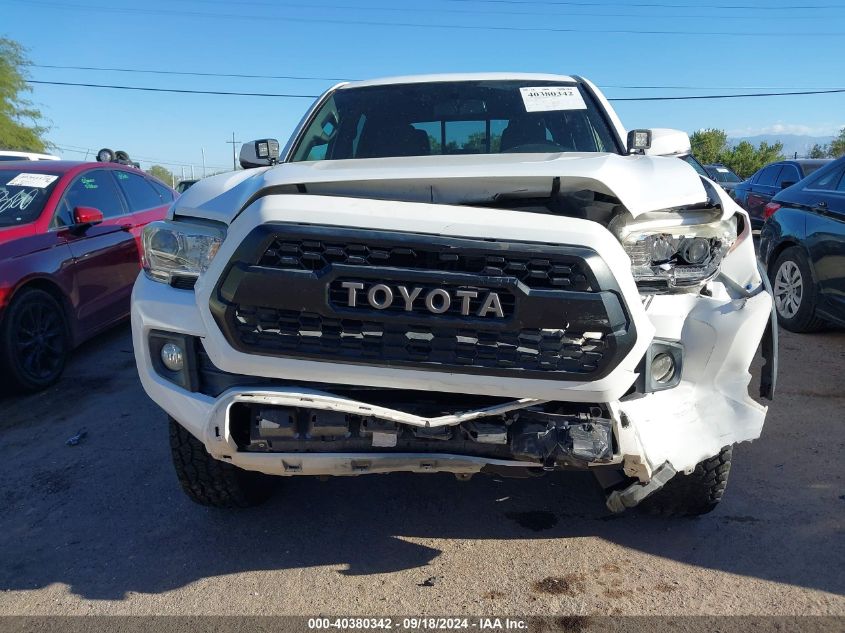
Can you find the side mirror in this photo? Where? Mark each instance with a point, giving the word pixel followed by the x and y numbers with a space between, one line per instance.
pixel 87 216
pixel 260 153
pixel 787 183
pixel 659 142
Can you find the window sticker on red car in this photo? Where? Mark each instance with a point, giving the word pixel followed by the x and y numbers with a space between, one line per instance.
pixel 18 200
pixel 32 180
pixel 88 183
pixel 122 176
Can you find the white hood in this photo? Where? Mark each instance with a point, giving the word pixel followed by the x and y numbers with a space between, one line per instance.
pixel 642 183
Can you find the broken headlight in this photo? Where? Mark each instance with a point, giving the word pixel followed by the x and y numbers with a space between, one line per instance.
pixel 677 252
pixel 178 249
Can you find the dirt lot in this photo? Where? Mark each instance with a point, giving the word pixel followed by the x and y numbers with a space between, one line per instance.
pixel 102 527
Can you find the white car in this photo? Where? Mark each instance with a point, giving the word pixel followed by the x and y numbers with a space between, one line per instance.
pixel 9 155
pixel 459 273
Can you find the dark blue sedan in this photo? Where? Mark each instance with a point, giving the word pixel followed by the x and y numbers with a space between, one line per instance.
pixel 802 245
pixel 753 194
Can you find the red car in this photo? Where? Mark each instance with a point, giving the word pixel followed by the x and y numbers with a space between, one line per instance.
pixel 69 255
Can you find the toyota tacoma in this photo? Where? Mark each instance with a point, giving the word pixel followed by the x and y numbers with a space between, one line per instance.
pixel 477 273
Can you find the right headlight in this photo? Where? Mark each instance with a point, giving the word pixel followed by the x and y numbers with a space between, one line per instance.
pixel 675 253
pixel 173 249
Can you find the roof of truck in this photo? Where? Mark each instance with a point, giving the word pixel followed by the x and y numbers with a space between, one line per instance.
pixel 419 79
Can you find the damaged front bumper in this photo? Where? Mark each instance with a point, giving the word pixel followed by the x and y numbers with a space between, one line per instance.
pixel 293 430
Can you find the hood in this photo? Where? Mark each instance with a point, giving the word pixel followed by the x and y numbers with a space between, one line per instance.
pixel 641 183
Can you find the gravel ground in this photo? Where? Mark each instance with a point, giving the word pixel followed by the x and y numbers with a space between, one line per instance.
pixel 103 528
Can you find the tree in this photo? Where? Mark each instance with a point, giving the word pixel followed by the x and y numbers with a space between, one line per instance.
pixel 819 151
pixel 709 145
pixel 163 174
pixel 21 124
pixel 837 145
pixel 745 159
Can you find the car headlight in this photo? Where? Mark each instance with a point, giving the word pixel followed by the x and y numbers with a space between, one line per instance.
pixel 676 253
pixel 173 249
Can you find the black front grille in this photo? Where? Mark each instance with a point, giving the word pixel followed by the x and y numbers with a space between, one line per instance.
pixel 285 293
pixel 289 332
pixel 558 271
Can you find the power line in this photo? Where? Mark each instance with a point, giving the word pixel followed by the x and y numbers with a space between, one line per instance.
pixel 660 5
pixel 533 12
pixel 734 96
pixel 297 96
pixel 186 73
pixel 464 27
pixel 156 71
pixel 176 90
pixel 88 150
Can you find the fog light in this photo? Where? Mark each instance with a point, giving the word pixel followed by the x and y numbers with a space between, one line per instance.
pixel 173 357
pixel 662 367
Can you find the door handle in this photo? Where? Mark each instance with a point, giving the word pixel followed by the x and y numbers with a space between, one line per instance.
pixel 821 204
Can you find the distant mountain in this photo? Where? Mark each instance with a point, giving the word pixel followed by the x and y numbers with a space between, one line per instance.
pixel 792 143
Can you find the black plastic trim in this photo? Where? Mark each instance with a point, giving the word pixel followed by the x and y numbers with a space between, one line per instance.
pixel 188 378
pixel 603 310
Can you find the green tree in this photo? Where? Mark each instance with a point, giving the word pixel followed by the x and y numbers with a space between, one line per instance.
pixel 477 142
pixel 837 146
pixel 819 151
pixel 709 145
pixel 163 174
pixel 745 159
pixel 21 124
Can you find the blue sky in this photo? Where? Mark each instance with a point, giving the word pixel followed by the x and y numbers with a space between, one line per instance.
pixel 768 48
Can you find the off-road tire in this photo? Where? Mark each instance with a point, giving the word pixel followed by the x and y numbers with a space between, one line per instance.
pixel 211 482
pixel 37 315
pixel 694 494
pixel 804 319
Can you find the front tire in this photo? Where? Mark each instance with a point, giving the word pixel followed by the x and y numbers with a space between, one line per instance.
pixel 34 341
pixel 211 482
pixel 794 292
pixel 694 494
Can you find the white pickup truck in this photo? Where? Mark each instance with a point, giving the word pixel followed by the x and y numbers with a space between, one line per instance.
pixel 477 273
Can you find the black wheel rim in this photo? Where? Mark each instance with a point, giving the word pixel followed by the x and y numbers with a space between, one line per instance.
pixel 40 341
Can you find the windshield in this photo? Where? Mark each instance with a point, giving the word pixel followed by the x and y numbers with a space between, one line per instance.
pixel 723 174
pixel 690 160
pixel 23 194
pixel 464 117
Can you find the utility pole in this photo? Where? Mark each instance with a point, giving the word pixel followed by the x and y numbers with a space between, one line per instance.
pixel 234 144
pixel 192 173
pixel 202 149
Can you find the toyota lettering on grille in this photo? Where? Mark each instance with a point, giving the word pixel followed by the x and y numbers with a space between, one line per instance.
pixel 380 296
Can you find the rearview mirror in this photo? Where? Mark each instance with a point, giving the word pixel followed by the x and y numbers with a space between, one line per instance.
pixel 659 142
pixel 260 153
pixel 787 183
pixel 87 216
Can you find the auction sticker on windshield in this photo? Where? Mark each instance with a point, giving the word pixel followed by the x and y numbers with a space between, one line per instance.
pixel 548 98
pixel 32 180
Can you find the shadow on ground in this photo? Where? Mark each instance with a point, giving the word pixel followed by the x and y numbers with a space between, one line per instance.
pixel 106 517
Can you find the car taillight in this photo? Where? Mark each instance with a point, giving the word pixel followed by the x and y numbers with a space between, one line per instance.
pixel 770 209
